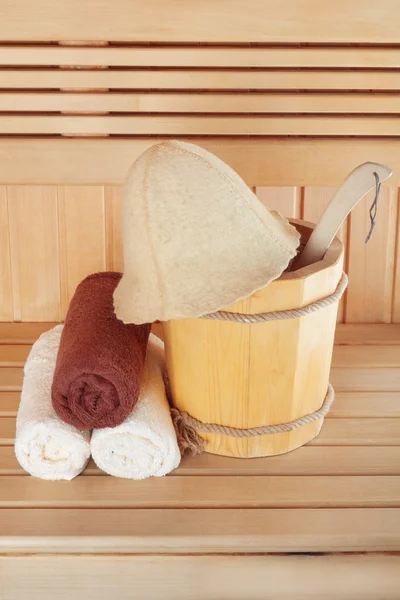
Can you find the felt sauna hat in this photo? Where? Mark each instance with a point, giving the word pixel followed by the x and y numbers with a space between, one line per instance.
pixel 195 237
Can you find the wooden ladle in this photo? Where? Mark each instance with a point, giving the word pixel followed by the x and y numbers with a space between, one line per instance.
pixel 356 185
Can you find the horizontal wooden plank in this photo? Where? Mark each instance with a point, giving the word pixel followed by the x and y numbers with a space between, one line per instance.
pixel 366 356
pixel 235 577
pixel 7 430
pixel 200 79
pixel 346 405
pixel 22 333
pixel 205 492
pixel 368 334
pixel 365 405
pixel 9 402
pixel 371 379
pixel 259 161
pixel 13 356
pixel 201 56
pixel 245 21
pixel 308 460
pixel 237 102
pixel 199 530
pixel 351 432
pixel 11 379
pixel 200 125
pixel 359 432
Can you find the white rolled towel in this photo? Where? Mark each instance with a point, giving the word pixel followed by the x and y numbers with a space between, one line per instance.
pixel 145 444
pixel 45 446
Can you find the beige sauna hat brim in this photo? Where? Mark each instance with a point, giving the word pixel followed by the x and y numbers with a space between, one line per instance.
pixel 195 237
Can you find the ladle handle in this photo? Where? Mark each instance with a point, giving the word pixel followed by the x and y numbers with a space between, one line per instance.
pixel 354 188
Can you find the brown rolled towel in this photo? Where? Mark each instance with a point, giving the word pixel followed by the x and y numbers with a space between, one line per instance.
pixel 100 360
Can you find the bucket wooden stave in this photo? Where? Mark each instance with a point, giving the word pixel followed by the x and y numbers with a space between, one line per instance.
pixel 252 375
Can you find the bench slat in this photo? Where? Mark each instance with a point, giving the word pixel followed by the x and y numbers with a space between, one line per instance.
pixel 197 79
pixel 199 530
pixel 210 57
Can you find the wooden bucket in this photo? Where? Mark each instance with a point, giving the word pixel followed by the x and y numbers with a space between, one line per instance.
pixel 252 375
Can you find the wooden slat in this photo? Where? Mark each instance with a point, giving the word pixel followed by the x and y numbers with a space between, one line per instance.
pixel 34 241
pixel 367 57
pixel 199 531
pixel 365 405
pixel 199 125
pixel 193 492
pixel 362 379
pixel 371 266
pixel 247 21
pixel 82 237
pixel 234 577
pixel 6 303
pixel 308 460
pixel 22 333
pixel 113 218
pixel 367 335
pixel 9 403
pixel 195 80
pixel 7 428
pixel 335 432
pixel 272 102
pixel 396 289
pixel 359 432
pixel 284 199
pixel 366 356
pixel 258 161
pixel 11 379
pixel 13 356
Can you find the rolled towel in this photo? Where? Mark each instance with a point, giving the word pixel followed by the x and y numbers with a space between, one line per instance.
pixel 45 446
pixel 145 445
pixel 100 361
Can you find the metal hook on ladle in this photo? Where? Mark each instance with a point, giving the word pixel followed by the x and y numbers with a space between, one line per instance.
pixel 374 207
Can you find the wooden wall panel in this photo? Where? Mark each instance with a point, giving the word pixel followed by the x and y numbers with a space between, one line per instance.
pixel 113 209
pixel 396 290
pixel 260 161
pixel 81 222
pixel 6 298
pixel 286 200
pixel 34 250
pixel 53 237
pixel 371 266
pixel 239 21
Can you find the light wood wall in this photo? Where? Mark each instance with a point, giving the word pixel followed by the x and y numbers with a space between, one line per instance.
pixel 52 237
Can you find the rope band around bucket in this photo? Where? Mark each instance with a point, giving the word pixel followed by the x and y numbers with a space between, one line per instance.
pixel 187 427
pixel 278 315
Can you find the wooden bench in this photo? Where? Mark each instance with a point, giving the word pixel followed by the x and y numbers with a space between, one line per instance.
pixel 293 96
